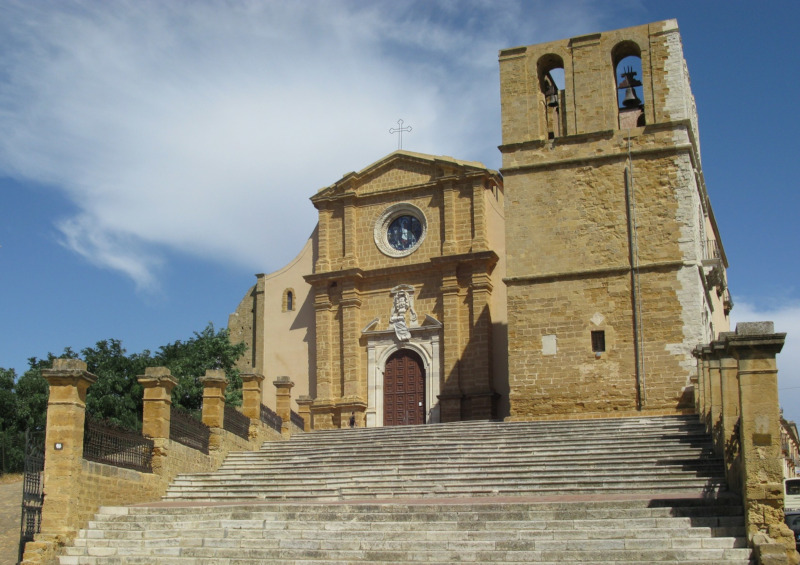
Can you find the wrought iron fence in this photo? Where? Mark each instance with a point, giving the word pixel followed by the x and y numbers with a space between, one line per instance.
pixel 236 422
pixel 32 489
pixel 108 443
pixel 298 420
pixel 270 418
pixel 188 430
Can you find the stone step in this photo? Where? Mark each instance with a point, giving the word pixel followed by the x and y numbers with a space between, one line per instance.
pixel 431 494
pixel 693 531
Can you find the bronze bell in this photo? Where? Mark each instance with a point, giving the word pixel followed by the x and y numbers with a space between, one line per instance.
pixel 628 83
pixel 631 100
pixel 551 94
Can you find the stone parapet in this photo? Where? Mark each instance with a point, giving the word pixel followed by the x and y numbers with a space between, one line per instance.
pixel 75 488
pixel 739 380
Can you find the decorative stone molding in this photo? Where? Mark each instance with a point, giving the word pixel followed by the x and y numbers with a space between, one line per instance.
pixel 425 340
pixel 400 244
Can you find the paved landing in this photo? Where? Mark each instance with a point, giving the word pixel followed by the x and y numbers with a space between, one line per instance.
pixel 10 500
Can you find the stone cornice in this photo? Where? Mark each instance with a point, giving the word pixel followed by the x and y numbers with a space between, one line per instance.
pixel 607 271
pixel 486 258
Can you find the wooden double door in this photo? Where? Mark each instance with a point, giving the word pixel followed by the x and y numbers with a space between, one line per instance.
pixel 404 389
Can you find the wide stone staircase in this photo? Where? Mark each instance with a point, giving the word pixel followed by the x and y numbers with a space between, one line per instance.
pixel 633 491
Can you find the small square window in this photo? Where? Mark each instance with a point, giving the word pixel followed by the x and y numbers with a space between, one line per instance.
pixel 599 341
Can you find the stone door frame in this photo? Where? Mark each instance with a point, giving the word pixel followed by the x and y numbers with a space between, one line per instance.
pixel 413 389
pixel 426 342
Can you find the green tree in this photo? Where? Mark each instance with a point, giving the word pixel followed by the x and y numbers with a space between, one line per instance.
pixel 11 450
pixel 116 395
pixel 189 360
pixel 8 400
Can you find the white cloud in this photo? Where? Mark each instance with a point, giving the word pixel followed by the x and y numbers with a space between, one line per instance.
pixel 203 128
pixel 787 320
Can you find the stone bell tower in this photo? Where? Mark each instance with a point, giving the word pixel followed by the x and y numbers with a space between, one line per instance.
pixel 615 269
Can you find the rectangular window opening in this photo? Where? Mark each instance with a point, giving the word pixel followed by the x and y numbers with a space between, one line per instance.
pixel 599 341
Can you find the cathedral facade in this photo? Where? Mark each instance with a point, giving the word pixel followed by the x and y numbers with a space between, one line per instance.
pixel 573 283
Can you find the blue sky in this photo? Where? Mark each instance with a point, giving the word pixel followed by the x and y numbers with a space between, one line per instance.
pixel 154 156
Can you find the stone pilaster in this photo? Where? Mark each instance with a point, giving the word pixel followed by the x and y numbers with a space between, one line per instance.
pixel 214 383
pixel 324 336
pixel 350 219
pixel 450 245
pixel 450 398
pixel 478 389
pixel 283 403
pixel 480 240
pixel 354 389
pixel 157 383
pixel 323 233
pixel 66 413
pixel 755 346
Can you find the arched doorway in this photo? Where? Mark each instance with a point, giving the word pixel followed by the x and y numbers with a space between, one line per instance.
pixel 404 389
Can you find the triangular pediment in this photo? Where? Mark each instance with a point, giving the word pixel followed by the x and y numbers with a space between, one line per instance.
pixel 398 170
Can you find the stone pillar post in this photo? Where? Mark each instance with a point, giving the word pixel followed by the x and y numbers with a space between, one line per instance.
pixel 716 349
pixel 158 383
pixel 729 377
pixel 706 414
pixel 252 395
pixel 755 346
pixel 697 353
pixel 66 413
pixel 283 403
pixel 304 410
pixel 214 383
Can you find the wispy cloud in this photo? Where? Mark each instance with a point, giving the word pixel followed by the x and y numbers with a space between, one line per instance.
pixel 204 127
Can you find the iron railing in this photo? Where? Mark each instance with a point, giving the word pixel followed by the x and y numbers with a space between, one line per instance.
pixel 298 420
pixel 187 430
pixel 107 443
pixel 271 419
pixel 236 422
pixel 32 489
